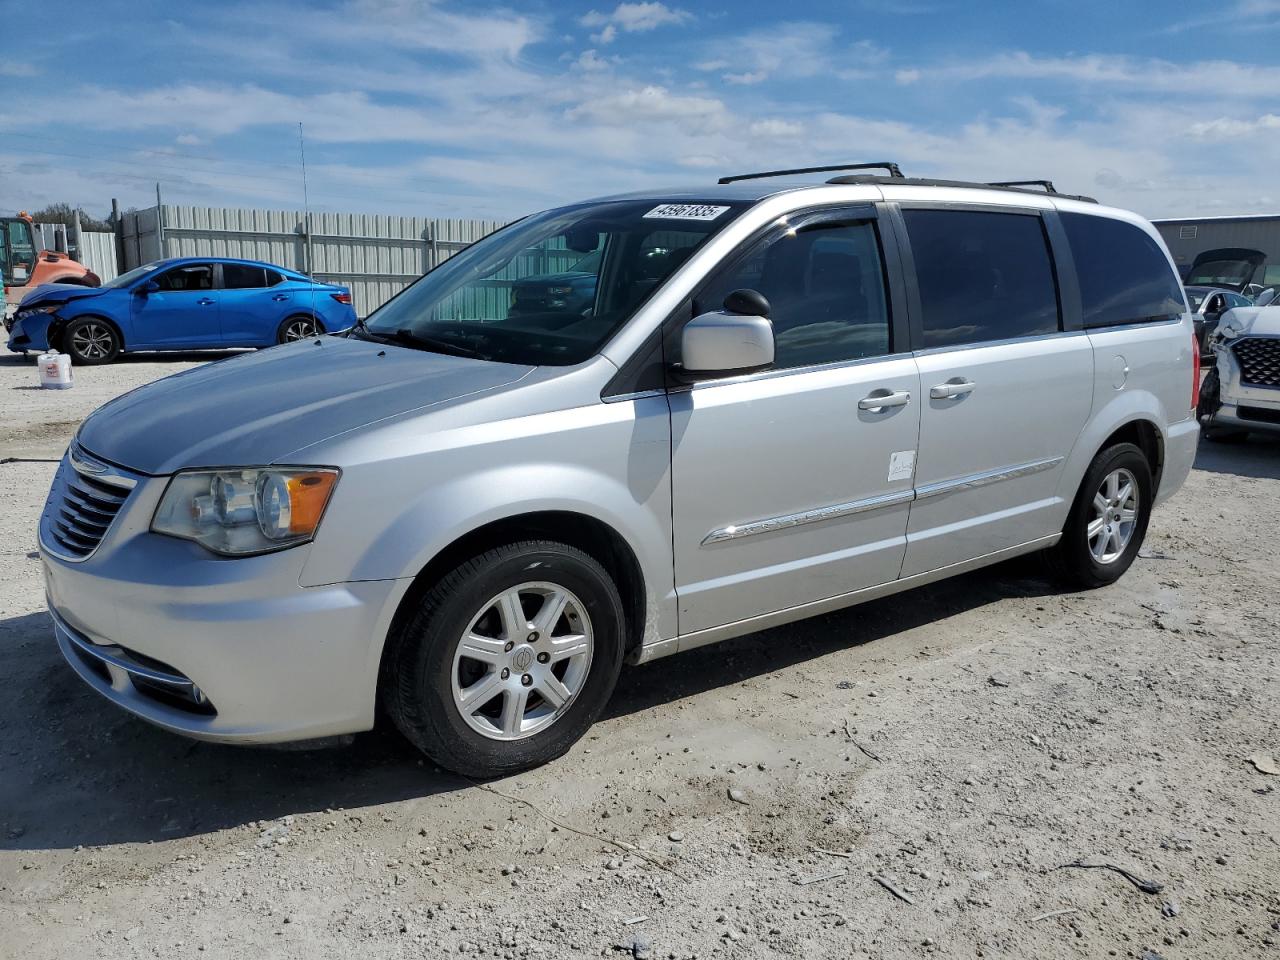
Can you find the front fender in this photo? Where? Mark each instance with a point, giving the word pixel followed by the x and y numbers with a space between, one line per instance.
pixel 610 462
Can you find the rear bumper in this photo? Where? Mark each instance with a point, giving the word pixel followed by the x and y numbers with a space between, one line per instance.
pixel 1181 441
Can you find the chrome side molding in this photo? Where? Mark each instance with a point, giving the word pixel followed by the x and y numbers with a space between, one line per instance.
pixel 816 515
pixel 987 477
pixel 838 510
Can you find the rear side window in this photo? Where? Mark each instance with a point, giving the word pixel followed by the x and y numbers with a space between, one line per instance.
pixel 982 276
pixel 241 276
pixel 825 287
pixel 273 278
pixel 1124 275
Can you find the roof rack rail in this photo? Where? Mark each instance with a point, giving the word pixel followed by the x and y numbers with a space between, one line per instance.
pixel 893 169
pixel 1047 184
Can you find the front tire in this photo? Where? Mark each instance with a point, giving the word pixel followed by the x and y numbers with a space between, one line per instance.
pixel 91 342
pixel 1108 520
pixel 508 660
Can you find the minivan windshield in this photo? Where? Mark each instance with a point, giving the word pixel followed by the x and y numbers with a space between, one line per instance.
pixel 552 288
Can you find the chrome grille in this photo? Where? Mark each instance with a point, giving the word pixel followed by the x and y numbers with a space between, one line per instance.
pixel 1259 359
pixel 86 496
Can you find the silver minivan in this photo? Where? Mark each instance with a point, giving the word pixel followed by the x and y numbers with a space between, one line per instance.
pixel 614 431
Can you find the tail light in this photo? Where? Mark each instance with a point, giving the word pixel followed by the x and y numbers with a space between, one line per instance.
pixel 341 297
pixel 1195 371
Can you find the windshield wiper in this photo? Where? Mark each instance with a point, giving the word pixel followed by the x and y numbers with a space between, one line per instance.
pixel 408 338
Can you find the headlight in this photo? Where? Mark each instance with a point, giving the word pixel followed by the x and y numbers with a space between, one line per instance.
pixel 245 511
pixel 46 308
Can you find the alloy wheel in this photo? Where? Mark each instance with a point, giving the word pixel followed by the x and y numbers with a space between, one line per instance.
pixel 91 341
pixel 522 661
pixel 1115 516
pixel 300 329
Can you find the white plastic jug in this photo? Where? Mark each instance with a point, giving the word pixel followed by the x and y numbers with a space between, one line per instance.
pixel 55 371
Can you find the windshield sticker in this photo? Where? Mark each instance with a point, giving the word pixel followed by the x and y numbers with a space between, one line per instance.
pixel 685 211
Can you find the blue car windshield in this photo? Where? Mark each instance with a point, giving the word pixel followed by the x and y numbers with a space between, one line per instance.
pixel 552 288
pixel 137 273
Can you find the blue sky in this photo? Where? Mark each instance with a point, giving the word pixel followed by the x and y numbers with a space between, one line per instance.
pixel 440 108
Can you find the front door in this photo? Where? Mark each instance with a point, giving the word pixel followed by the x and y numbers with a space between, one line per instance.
pixel 1005 391
pixel 794 485
pixel 181 312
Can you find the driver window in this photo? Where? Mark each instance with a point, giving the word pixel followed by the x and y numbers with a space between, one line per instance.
pixel 191 276
pixel 826 292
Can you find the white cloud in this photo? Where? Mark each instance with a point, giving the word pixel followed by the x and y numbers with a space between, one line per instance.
pixel 635 17
pixel 187 140
pixel 1224 127
pixel 605 36
pixel 1202 78
pixel 774 127
pixel 591 62
pixel 794 50
pixel 17 68
pixel 745 79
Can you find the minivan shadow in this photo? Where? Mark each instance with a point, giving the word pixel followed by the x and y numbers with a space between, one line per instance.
pixel 74 769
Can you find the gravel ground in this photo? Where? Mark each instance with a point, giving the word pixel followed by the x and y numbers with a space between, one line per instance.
pixel 959 743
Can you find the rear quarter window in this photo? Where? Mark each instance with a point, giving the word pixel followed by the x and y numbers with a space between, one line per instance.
pixel 1123 273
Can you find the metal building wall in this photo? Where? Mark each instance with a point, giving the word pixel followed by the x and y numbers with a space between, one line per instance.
pixel 98 253
pixel 375 255
pixel 1256 233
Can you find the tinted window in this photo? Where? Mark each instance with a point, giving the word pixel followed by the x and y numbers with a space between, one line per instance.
pixel 1235 300
pixel 273 278
pixel 982 276
pixel 241 276
pixel 825 287
pixel 1124 275
pixel 193 276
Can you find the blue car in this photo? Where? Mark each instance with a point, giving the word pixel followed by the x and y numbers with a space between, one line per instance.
pixel 189 303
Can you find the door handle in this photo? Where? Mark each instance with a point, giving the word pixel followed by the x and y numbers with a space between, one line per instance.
pixel 878 400
pixel 281 296
pixel 205 301
pixel 951 390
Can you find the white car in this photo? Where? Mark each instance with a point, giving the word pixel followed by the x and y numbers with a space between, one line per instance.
pixel 1241 392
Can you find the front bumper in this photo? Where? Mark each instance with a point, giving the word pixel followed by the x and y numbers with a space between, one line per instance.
pixel 30 332
pixel 1244 405
pixel 228 650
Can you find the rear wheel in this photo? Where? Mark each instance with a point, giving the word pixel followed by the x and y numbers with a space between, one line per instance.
pixel 1108 520
pixel 298 328
pixel 508 660
pixel 91 341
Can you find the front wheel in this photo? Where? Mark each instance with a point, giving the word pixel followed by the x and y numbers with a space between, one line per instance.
pixel 1108 520
pixel 508 660
pixel 298 328
pixel 91 341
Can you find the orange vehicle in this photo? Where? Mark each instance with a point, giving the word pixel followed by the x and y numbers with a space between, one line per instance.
pixel 26 265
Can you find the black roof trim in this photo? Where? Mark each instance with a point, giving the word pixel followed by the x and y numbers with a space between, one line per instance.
pixel 1047 184
pixel 894 171
pixel 965 184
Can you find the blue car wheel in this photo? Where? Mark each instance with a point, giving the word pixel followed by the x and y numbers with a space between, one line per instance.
pixel 91 341
pixel 298 328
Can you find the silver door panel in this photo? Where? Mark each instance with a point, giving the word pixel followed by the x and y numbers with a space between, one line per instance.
pixel 992 451
pixel 792 460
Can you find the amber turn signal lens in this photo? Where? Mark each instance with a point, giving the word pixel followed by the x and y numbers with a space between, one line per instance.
pixel 308 495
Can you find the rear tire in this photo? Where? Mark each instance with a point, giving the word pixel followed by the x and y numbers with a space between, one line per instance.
pixel 1108 520
pixel 91 342
pixel 301 327
pixel 464 674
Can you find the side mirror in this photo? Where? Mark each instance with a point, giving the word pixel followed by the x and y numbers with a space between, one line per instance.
pixel 724 343
pixel 143 289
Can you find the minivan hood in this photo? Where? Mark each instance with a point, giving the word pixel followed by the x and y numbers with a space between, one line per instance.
pixel 60 293
pixel 257 408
